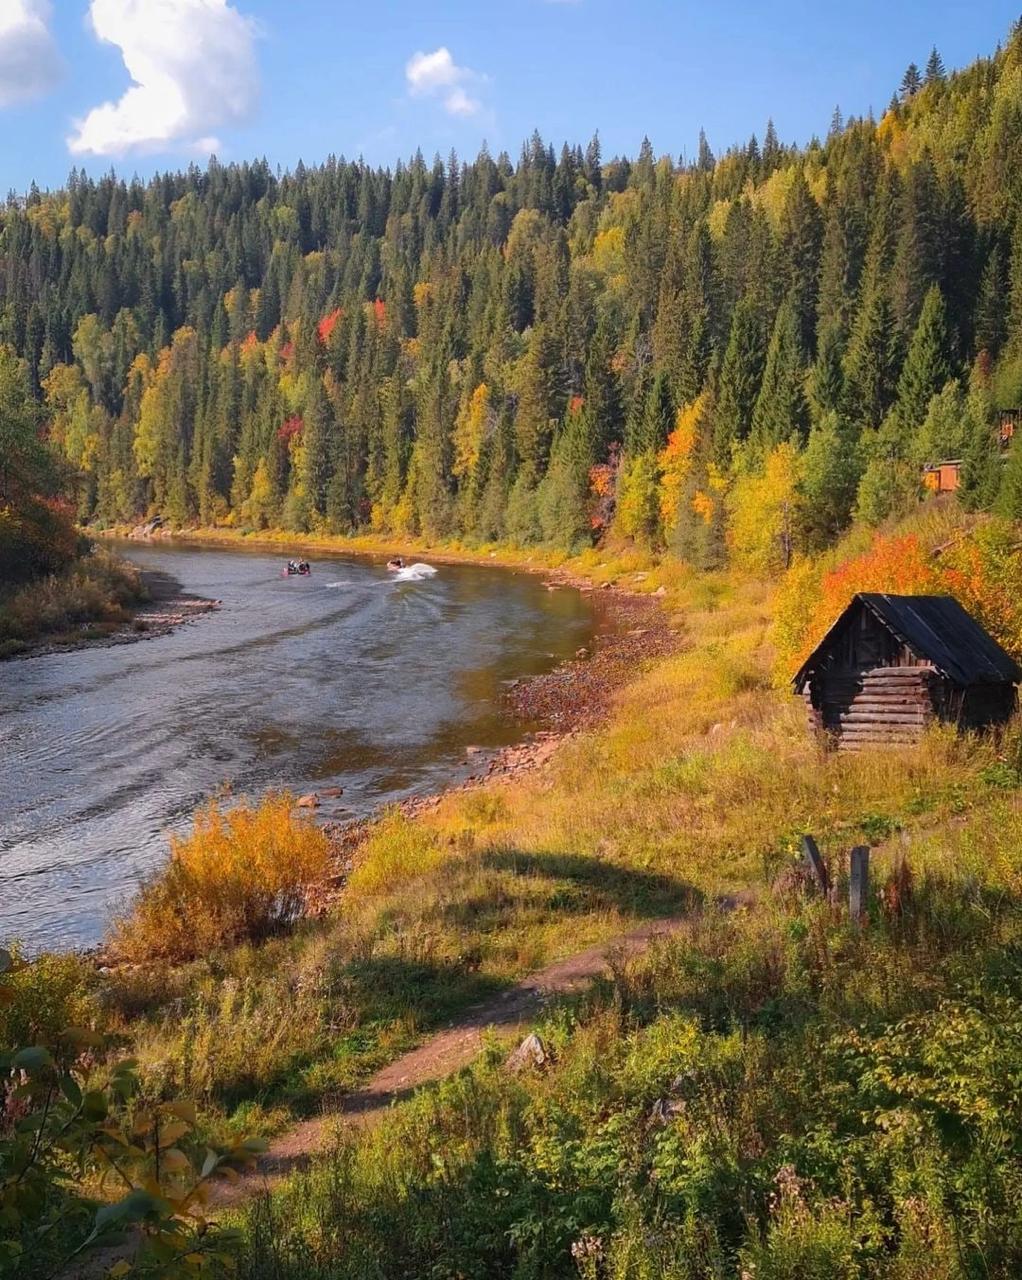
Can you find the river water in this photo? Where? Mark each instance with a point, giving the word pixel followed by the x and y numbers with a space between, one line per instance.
pixel 345 678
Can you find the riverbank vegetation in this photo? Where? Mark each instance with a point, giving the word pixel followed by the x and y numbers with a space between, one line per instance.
pixel 89 599
pixel 240 876
pixel 52 584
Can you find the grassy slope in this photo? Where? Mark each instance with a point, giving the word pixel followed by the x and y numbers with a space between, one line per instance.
pixel 774 1095
pixel 701 784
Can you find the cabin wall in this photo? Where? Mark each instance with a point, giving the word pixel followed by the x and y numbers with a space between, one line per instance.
pixel 865 644
pixel 895 704
pixel 985 704
pixel 885 704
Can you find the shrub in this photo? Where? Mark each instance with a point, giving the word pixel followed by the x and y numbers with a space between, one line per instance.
pixel 95 587
pixel 241 874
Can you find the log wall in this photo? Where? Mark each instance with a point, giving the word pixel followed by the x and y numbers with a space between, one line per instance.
pixel 886 704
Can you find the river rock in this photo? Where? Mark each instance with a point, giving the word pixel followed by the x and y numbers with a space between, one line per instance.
pixel 331 793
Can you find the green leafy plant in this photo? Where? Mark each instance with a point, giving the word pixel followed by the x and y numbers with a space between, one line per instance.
pixel 67 1121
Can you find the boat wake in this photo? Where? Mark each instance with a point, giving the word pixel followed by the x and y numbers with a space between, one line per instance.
pixel 415 573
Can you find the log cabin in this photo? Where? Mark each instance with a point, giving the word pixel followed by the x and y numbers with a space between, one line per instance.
pixel 890 665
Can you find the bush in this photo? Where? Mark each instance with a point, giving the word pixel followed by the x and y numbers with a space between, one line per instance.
pixel 241 874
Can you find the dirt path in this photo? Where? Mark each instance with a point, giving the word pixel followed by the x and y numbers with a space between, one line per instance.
pixel 441 1055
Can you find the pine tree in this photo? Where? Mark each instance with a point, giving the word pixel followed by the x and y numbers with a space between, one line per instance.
pixel 826 385
pixel 740 376
pixel 705 161
pixel 927 365
pixel 991 321
pixel 781 411
pixel 911 82
pixel 650 431
pixel 871 359
pixel 934 67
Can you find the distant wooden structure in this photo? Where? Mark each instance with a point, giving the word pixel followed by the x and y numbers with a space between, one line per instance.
pixel 1009 421
pixel 891 664
pixel 945 477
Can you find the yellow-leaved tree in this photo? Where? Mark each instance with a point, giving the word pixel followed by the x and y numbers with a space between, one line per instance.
pixel 765 512
pixel 470 431
pixel 676 459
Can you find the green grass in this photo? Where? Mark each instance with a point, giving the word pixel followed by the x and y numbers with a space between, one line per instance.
pixel 772 1094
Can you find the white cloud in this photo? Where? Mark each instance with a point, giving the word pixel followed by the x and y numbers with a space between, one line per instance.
pixel 437 75
pixel 29 62
pixel 193 68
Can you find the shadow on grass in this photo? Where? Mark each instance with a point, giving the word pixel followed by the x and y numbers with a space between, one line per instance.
pixel 571 885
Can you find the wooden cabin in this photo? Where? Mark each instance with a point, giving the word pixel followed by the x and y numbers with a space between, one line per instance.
pixel 945 477
pixel 892 664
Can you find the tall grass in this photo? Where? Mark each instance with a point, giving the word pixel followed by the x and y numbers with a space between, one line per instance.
pixel 241 874
pixel 94 590
pixel 772 1094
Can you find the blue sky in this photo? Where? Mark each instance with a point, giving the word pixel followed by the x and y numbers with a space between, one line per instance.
pixel 293 79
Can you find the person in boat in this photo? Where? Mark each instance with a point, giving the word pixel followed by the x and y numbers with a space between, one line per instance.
pixel 395 564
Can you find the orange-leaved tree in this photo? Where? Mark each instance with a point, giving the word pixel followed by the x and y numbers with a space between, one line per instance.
pixel 981 568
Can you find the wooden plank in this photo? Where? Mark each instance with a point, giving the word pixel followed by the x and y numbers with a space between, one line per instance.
pixel 884 708
pixel 858 883
pixel 911 714
pixel 816 865
pixel 895 722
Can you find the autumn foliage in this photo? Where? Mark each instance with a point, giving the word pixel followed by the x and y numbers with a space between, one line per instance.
pixel 327 325
pixel 290 428
pixel 981 568
pixel 241 874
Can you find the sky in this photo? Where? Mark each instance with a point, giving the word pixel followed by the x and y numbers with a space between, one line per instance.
pixel 147 85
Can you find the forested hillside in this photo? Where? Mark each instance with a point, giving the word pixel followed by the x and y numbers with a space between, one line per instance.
pixel 736 353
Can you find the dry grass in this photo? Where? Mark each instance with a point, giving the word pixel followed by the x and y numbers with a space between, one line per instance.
pixel 240 875
pixel 705 771
pixel 93 591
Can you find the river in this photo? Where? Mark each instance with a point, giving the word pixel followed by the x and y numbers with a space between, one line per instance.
pixel 344 678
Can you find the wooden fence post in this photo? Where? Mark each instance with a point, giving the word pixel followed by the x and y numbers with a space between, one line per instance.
pixel 858 883
pixel 816 864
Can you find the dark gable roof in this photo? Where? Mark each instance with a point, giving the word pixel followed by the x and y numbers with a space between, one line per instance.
pixel 937 629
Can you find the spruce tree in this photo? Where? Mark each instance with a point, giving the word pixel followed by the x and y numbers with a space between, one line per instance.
pixel 650 431
pixel 871 359
pixel 911 82
pixel 927 365
pixel 991 320
pixel 934 67
pixel 740 376
pixel 781 411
